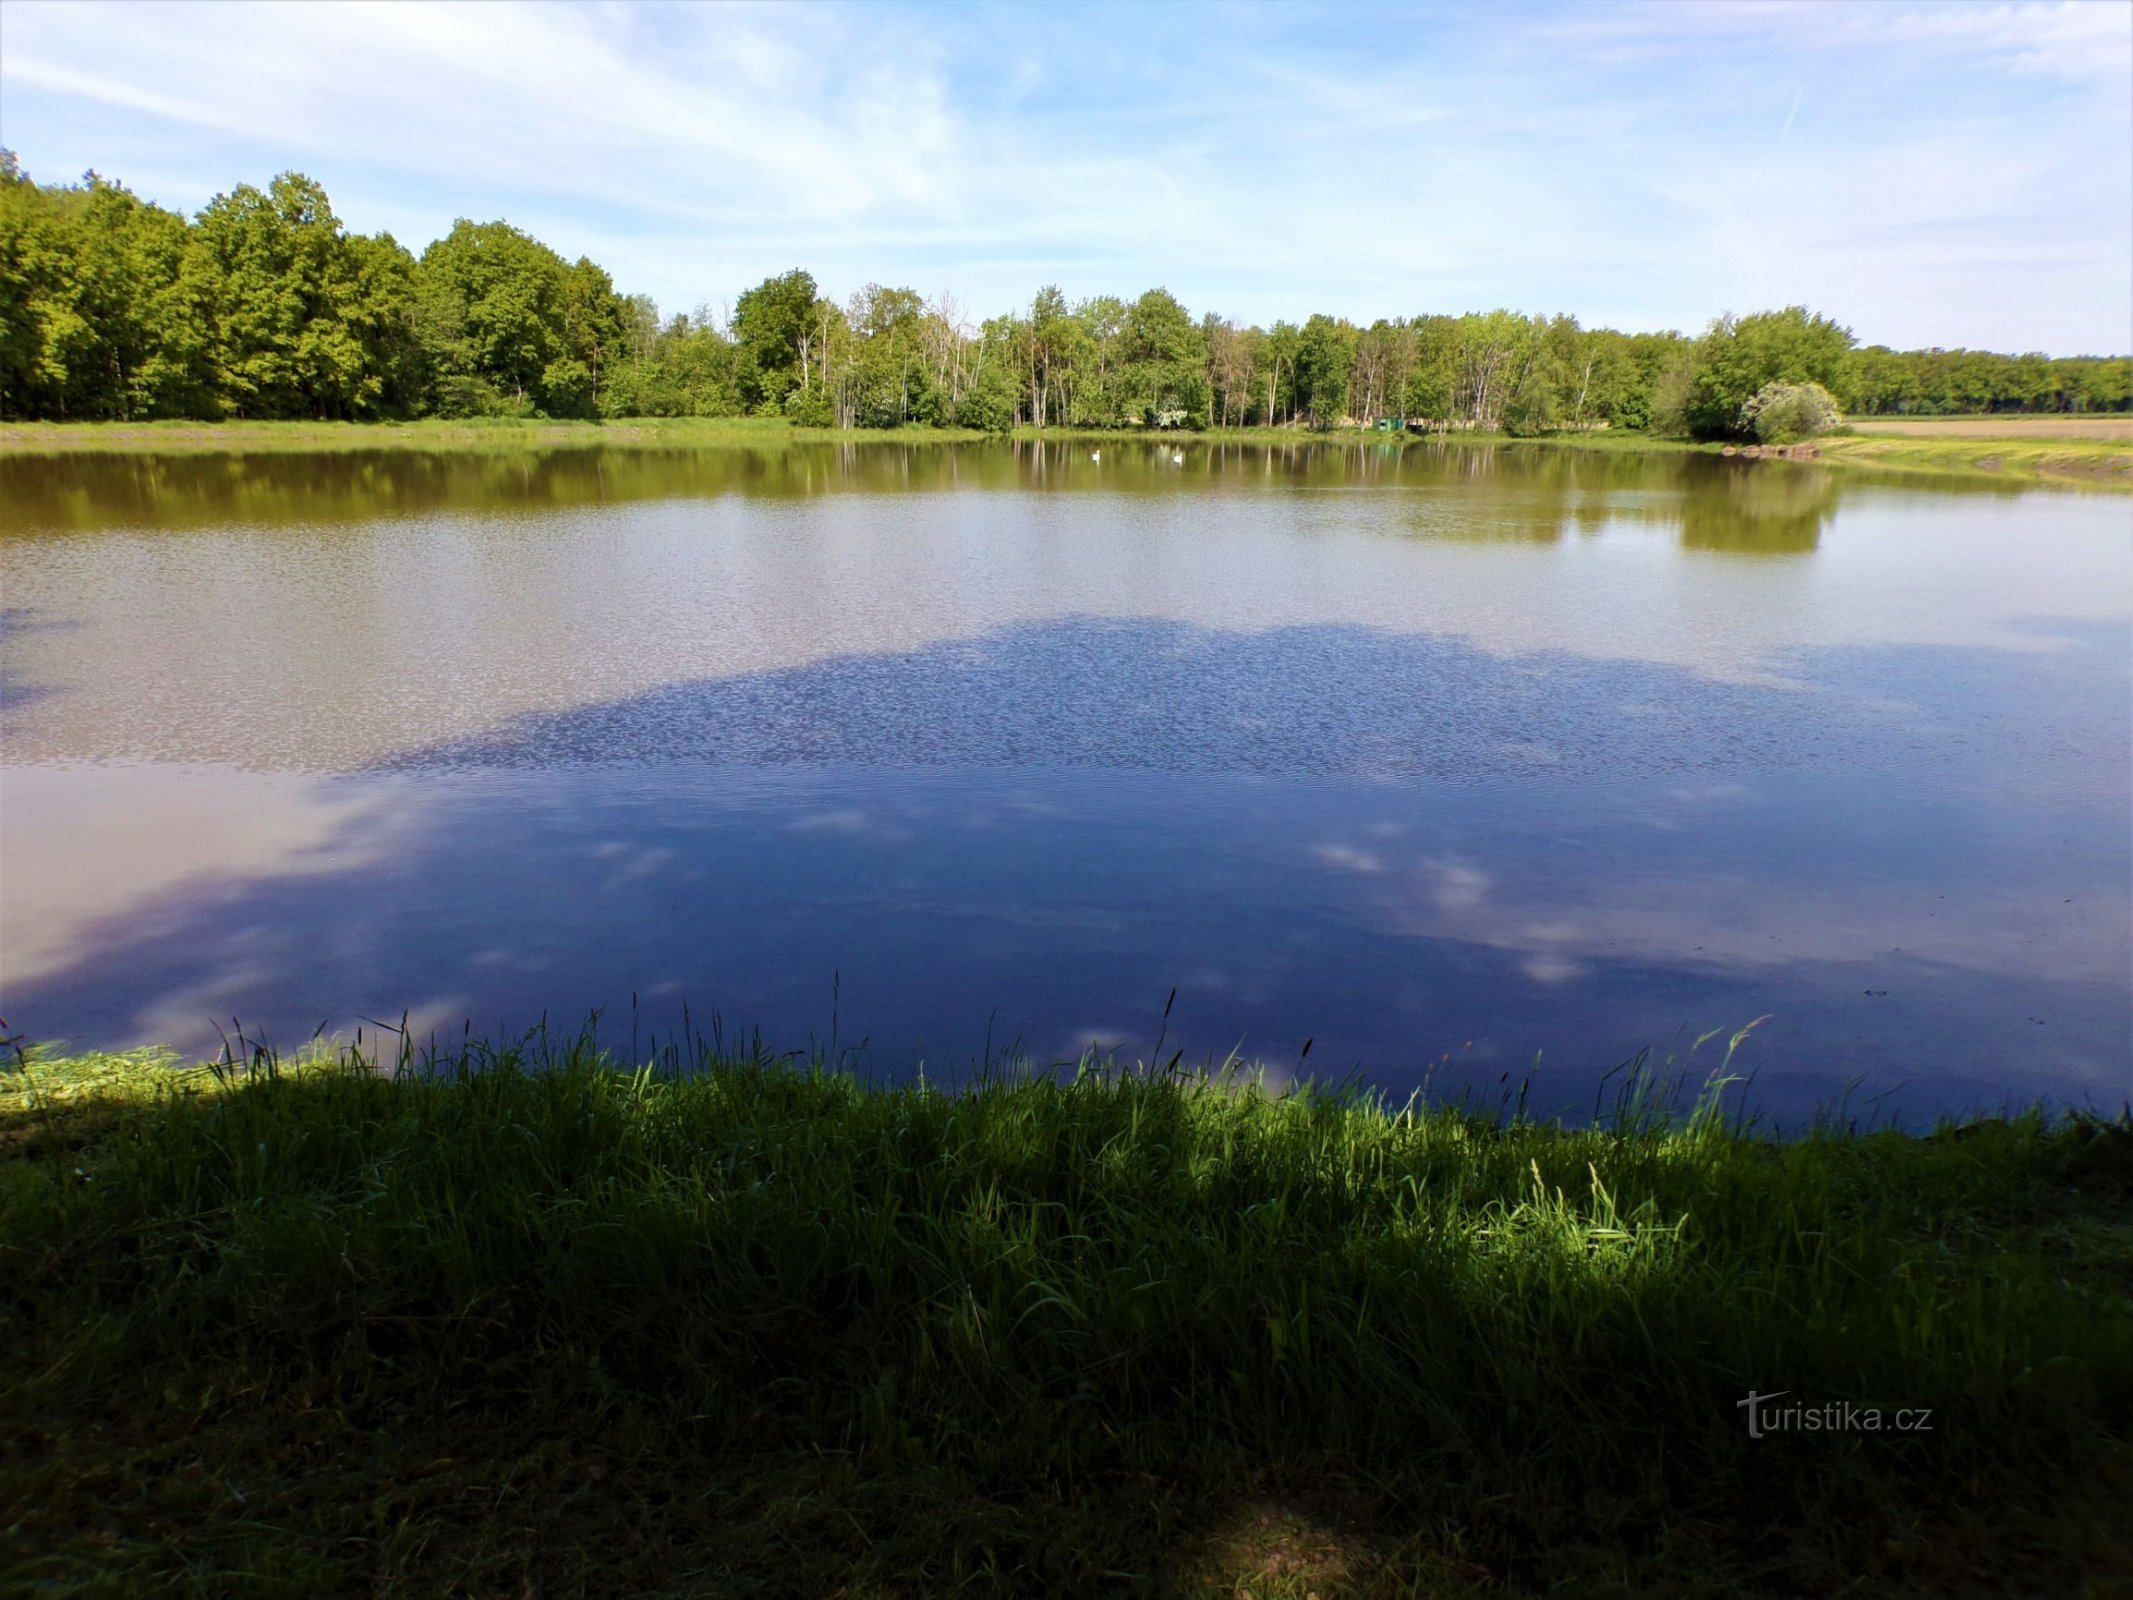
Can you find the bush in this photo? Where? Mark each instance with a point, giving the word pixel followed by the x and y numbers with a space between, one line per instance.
pixel 463 395
pixel 567 388
pixel 1531 411
pixel 809 408
pixel 989 406
pixel 1778 413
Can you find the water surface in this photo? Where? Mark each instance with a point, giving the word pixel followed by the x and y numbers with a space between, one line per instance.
pixel 1441 760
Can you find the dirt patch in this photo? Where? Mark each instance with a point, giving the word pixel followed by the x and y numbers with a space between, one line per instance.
pixel 1276 1546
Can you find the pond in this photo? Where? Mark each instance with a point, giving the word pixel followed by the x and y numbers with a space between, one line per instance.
pixel 1480 768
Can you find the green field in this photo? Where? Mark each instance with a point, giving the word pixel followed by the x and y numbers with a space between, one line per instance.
pixel 760 1329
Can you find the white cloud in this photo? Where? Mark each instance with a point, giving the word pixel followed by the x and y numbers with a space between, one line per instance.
pixel 1623 164
pixel 2079 39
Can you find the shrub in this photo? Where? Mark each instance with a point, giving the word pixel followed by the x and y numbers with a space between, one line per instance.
pixel 463 395
pixel 989 404
pixel 1778 413
pixel 809 408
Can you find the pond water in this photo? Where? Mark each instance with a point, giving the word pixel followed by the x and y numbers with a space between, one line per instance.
pixel 1473 767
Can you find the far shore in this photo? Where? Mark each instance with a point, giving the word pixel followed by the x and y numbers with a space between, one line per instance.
pixel 2095 452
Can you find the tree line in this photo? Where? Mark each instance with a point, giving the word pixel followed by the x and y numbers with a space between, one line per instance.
pixel 265 306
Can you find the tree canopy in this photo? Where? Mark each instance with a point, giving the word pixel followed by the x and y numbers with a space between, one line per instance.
pixel 264 305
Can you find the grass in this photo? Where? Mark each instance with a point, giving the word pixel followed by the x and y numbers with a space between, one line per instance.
pixel 2106 425
pixel 436 434
pixel 2100 463
pixel 2023 455
pixel 521 1323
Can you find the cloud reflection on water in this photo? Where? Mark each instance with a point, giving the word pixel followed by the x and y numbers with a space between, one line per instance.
pixel 1341 873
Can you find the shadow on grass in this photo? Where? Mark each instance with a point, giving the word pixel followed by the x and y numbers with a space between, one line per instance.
pixel 756 1329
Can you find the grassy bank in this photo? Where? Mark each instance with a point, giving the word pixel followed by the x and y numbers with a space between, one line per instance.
pixel 762 1330
pixel 2066 456
pixel 2098 463
pixel 479 434
pixel 666 433
pixel 2106 425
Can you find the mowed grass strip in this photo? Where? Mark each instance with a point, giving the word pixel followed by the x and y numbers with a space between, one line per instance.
pixel 2066 460
pixel 2109 427
pixel 524 1323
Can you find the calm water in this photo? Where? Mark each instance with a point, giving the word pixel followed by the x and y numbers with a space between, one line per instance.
pixel 1443 762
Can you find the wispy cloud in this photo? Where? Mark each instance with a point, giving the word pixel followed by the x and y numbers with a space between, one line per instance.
pixel 1611 161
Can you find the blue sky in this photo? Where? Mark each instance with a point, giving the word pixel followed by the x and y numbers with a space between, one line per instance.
pixel 1927 173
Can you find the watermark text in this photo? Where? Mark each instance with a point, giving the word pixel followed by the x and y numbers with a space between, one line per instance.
pixel 1767 1414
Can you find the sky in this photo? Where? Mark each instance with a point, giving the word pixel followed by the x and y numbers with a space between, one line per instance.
pixel 1928 174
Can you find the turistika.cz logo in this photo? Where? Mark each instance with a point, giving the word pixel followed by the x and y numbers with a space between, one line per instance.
pixel 1832 1416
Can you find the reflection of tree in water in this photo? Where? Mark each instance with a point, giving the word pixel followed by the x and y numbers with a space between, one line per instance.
pixel 1756 507
pixel 1515 494
pixel 1751 507
pixel 1538 493
pixel 102 491
pixel 93 491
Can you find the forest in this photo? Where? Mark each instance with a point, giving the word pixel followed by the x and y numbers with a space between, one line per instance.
pixel 264 306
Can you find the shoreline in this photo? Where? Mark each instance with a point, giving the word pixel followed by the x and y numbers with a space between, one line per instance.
pixel 2019 459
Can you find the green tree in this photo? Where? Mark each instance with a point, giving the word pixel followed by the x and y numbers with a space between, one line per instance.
pixel 265 306
pixel 1377 378
pixel 1099 396
pixel 1230 352
pixel 596 322
pixel 41 326
pixel 1046 342
pixel 93 322
pixel 771 322
pixel 295 314
pixel 1553 376
pixel 1324 353
pixel 1164 362
pixel 888 376
pixel 992 400
pixel 1433 374
pixel 1738 356
pixel 492 317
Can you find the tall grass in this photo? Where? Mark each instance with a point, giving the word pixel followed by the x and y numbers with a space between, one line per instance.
pixel 1036 1331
